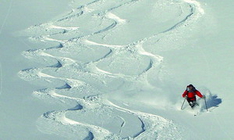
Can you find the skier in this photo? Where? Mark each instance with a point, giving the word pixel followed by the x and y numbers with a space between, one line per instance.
pixel 190 94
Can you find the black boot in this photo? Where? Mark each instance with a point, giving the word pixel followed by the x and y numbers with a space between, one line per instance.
pixel 193 104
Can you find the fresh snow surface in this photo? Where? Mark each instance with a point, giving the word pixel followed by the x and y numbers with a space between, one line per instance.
pixel 115 69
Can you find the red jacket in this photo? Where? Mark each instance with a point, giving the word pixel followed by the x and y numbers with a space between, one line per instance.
pixel 192 94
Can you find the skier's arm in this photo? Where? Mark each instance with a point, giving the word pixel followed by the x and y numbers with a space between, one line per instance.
pixel 185 93
pixel 198 93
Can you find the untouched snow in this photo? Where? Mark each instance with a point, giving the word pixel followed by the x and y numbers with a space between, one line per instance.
pixel 104 70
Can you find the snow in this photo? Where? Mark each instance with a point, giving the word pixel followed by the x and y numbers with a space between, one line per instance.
pixel 102 70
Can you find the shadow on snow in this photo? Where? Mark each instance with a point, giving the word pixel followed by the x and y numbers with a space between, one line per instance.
pixel 213 101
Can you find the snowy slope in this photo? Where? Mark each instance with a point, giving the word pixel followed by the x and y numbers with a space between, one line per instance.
pixel 19 110
pixel 117 69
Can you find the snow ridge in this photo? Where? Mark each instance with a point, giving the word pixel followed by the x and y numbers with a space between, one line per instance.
pixel 83 66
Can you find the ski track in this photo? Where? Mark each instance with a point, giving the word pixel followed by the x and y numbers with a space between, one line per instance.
pixel 152 126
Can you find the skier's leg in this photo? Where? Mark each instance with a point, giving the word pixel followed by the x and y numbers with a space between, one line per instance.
pixel 194 102
pixel 190 101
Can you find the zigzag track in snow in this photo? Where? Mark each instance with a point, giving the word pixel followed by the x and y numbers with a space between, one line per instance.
pixel 82 83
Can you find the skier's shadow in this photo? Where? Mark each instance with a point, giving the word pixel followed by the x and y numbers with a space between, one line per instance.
pixel 213 101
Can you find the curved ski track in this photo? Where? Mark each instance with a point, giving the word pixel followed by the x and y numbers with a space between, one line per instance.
pixel 80 82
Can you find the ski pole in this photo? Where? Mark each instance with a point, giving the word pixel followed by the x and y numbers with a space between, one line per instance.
pixel 183 104
pixel 205 104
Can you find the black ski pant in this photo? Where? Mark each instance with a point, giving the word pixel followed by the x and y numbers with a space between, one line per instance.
pixel 192 101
